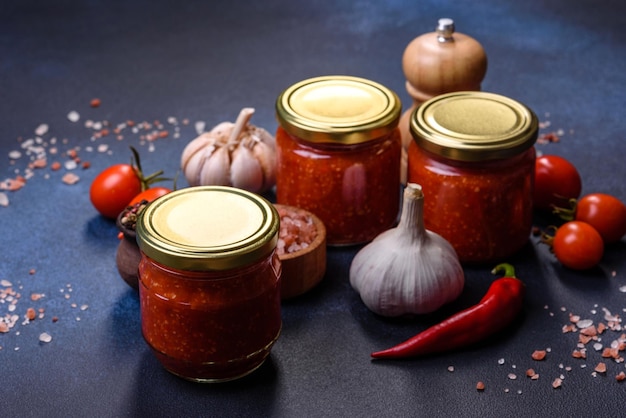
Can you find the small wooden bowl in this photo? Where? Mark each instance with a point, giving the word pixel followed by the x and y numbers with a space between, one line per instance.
pixel 303 269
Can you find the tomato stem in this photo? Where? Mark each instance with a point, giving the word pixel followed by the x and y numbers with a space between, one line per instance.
pixel 146 181
pixel 567 214
pixel 548 239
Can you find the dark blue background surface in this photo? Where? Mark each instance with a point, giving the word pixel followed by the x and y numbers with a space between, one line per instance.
pixel 204 61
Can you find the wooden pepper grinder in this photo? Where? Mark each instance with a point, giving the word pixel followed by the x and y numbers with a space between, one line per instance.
pixel 439 62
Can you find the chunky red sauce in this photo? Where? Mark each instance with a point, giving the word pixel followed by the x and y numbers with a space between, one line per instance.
pixel 484 209
pixel 353 189
pixel 211 326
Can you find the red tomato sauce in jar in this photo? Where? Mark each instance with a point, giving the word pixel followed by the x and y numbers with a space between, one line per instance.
pixel 338 155
pixel 473 155
pixel 353 191
pixel 208 325
pixel 209 281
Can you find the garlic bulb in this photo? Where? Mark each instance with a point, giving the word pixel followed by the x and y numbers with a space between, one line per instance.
pixel 232 154
pixel 407 269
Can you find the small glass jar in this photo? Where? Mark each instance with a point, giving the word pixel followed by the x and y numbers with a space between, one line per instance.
pixel 209 281
pixel 473 153
pixel 338 155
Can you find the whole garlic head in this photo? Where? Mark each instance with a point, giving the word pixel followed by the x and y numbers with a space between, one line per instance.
pixel 407 269
pixel 232 154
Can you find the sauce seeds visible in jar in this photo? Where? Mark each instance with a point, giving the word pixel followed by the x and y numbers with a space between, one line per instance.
pixel 473 155
pixel 338 152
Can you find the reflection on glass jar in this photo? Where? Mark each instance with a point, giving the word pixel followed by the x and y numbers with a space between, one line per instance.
pixel 353 189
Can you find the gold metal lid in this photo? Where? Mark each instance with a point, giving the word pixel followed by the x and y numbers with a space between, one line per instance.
pixel 208 228
pixel 338 109
pixel 474 126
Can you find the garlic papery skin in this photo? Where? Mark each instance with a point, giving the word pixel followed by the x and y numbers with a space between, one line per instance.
pixel 232 154
pixel 407 269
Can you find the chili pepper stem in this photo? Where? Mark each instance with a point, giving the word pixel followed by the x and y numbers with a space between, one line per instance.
pixel 507 269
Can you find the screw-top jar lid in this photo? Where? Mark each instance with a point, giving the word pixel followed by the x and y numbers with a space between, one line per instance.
pixel 474 126
pixel 338 109
pixel 208 228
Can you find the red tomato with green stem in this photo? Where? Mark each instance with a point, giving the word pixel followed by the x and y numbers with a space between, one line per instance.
pixel 113 188
pixel 577 245
pixel 557 181
pixel 606 213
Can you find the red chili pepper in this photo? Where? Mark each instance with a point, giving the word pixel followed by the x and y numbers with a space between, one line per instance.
pixel 500 305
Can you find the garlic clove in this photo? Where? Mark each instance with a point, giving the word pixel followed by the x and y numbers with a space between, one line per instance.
pixel 266 156
pixel 195 155
pixel 221 132
pixel 193 147
pixel 215 170
pixel 245 170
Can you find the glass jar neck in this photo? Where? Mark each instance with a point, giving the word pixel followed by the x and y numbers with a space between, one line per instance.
pixel 337 146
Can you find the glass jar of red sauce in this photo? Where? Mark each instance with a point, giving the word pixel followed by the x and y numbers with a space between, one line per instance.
pixel 209 281
pixel 473 153
pixel 338 155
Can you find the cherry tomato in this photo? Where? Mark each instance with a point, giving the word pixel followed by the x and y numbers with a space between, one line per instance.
pixel 556 182
pixel 113 189
pixel 150 194
pixel 577 245
pixel 606 213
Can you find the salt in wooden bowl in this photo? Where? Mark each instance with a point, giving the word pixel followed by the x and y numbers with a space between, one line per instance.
pixel 304 268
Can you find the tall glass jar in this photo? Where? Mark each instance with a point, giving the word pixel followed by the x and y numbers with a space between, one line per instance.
pixel 338 155
pixel 473 153
pixel 209 281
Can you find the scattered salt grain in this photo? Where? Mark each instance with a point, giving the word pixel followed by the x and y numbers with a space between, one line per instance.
pixel 200 125
pixel 41 129
pixel 70 178
pixel 15 154
pixel 44 337
pixel 601 368
pixel 73 116
pixel 70 165
pixel 4 199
